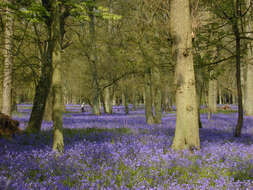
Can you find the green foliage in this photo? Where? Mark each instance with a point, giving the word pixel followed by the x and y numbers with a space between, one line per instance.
pixel 34 13
pixel 79 12
pixel 82 10
pixel 105 14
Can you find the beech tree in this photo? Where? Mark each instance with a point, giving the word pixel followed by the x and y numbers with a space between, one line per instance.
pixel 187 124
pixel 8 60
pixel 249 71
pixel 45 81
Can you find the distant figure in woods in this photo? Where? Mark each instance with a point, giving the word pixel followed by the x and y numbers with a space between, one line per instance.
pixel 82 107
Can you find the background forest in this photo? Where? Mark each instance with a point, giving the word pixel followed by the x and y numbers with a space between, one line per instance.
pixel 138 67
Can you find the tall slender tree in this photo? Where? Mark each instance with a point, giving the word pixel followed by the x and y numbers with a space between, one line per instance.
pixel 212 94
pixel 8 61
pixel 45 80
pixel 93 60
pixel 157 95
pixel 236 30
pixel 249 72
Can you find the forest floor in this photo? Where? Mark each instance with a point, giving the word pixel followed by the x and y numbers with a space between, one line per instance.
pixel 122 152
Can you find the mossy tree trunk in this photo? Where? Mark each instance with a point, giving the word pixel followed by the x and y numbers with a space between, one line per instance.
pixel 93 62
pixel 157 95
pixel 199 90
pixel 58 144
pixel 220 95
pixel 109 91
pixel 55 34
pixel 13 100
pixel 42 91
pixel 144 91
pixel 235 27
pixel 134 100
pixel 8 62
pixel 49 107
pixel 1 96
pixel 126 99
pixel 187 125
pixel 60 15
pixel 148 98
pixel 212 94
pixel 166 99
pixel 134 96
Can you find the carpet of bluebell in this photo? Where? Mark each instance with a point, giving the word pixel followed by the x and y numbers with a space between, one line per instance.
pixel 122 152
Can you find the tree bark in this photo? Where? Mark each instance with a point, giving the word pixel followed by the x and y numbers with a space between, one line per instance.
pixel 49 107
pixel 42 90
pixel 114 100
pixel 212 94
pixel 144 93
pixel 58 144
pixel 199 89
pixel 125 96
pixel 1 96
pixel 108 100
pixel 249 85
pixel 148 98
pixel 53 26
pixel 8 63
pixel 13 101
pixel 238 72
pixel 93 63
pixel 220 95
pixel 249 71
pixel 166 99
pixel 187 125
pixel 134 99
pixel 157 95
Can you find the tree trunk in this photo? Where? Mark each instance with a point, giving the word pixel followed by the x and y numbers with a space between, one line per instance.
pixel 45 80
pixel 199 88
pixel 108 100
pixel 93 63
pixel 42 91
pixel 58 144
pixel 1 96
pixel 13 101
pixel 157 95
pixel 8 63
pixel 187 125
pixel 165 99
pixel 125 93
pixel 212 94
pixel 114 102
pixel 134 99
pixel 148 99
pixel 249 83
pixel 238 73
pixel 220 96
pixel 57 82
pixel 144 95
pixel 49 107
pixel 243 83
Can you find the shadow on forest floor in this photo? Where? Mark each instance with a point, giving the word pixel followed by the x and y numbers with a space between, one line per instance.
pixel 110 128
